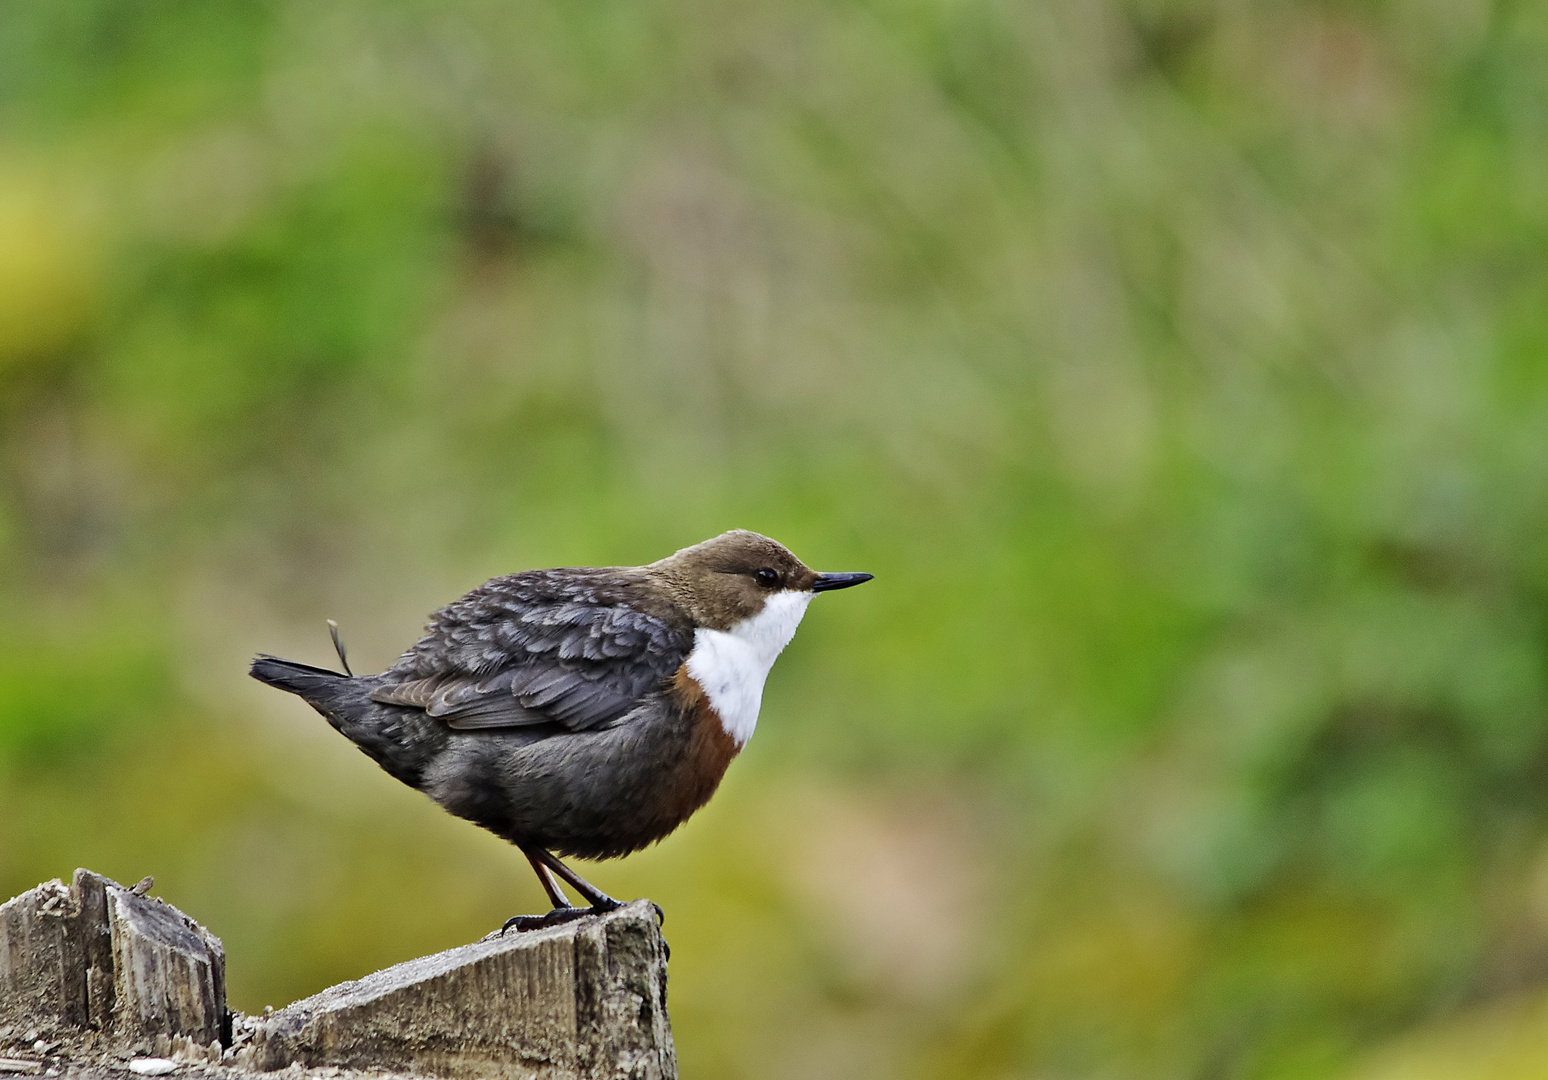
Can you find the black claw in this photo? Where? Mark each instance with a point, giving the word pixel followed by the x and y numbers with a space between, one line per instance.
pixel 660 915
pixel 538 922
pixel 560 915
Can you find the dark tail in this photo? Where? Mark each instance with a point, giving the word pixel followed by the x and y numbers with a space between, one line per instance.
pixel 319 686
pixel 400 740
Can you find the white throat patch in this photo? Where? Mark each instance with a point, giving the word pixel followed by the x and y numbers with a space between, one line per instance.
pixel 731 665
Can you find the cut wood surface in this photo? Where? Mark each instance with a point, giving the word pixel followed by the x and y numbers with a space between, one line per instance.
pixel 95 963
pixel 97 980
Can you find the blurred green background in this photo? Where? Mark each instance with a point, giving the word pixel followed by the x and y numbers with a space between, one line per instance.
pixel 1179 367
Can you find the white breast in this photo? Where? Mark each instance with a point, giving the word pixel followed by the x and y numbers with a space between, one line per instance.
pixel 731 665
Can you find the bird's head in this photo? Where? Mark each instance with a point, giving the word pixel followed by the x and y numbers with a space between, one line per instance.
pixel 735 577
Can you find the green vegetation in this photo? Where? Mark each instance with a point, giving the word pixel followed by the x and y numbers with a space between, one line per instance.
pixel 1179 368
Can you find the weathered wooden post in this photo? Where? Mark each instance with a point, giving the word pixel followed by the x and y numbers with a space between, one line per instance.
pixel 96 979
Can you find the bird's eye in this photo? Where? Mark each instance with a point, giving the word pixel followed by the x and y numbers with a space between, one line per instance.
pixel 767 577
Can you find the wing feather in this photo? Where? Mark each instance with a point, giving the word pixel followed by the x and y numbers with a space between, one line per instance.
pixel 572 649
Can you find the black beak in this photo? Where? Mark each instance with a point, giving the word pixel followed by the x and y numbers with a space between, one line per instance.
pixel 825 582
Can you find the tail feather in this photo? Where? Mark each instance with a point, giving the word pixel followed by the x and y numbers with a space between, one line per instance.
pixel 401 740
pixel 317 685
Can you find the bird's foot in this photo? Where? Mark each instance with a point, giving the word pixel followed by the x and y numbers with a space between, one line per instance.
pixel 560 915
pixel 555 917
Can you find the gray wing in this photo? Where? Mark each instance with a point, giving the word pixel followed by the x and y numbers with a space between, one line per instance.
pixel 566 648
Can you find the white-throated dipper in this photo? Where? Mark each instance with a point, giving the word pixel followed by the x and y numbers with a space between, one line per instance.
pixel 584 711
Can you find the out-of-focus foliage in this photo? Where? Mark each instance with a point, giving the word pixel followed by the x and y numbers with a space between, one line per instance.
pixel 1179 367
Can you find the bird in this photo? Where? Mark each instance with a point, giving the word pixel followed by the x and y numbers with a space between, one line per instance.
pixel 583 712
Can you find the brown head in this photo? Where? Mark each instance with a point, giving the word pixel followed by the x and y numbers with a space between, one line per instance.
pixel 727 579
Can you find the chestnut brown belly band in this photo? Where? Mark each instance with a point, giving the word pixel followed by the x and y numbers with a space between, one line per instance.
pixel 595 794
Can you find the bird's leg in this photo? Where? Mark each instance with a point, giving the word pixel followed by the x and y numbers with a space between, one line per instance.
pixel 550 883
pixel 545 866
pixel 600 901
